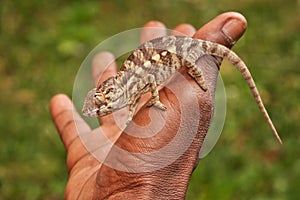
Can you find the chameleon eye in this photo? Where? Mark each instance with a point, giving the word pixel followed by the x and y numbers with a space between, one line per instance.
pixel 99 98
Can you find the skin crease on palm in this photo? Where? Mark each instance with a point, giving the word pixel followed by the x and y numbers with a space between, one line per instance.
pixel 89 179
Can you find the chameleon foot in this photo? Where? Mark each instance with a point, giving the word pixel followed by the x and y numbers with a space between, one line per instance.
pixel 128 121
pixel 201 83
pixel 156 103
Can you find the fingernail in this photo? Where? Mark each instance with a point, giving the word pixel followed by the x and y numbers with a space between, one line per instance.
pixel 233 30
pixel 152 30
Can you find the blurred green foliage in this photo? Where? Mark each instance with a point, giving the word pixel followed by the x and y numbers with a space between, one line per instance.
pixel 42 44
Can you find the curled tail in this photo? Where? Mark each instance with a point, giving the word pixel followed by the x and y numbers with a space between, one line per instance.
pixel 222 51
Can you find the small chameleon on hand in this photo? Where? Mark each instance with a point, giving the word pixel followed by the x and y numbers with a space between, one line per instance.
pixel 154 62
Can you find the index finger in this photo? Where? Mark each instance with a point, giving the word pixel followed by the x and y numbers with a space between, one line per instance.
pixel 103 67
pixel 151 30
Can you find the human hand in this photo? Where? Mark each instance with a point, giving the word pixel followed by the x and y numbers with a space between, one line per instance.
pixel 130 175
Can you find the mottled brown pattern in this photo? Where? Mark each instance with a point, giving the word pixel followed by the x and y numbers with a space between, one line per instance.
pixel 154 62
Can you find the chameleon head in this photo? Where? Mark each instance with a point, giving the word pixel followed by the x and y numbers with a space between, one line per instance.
pixel 102 100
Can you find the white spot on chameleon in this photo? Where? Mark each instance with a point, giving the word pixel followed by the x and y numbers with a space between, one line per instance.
pixel 141 71
pixel 147 64
pixel 156 57
pixel 164 53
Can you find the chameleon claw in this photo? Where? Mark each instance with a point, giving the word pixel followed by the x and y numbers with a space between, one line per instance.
pixel 128 121
pixel 157 104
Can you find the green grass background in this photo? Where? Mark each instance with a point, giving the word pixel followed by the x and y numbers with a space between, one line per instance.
pixel 42 44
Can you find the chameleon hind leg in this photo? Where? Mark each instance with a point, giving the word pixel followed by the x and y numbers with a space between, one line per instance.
pixel 154 101
pixel 195 72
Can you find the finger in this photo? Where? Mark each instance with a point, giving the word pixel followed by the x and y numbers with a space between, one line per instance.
pixel 103 67
pixel 151 30
pixel 67 121
pixel 225 29
pixel 184 30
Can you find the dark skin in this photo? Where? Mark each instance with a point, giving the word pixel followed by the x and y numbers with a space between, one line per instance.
pixel 90 179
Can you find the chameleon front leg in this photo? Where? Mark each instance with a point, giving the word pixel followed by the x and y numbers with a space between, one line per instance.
pixel 155 95
pixel 154 101
pixel 132 109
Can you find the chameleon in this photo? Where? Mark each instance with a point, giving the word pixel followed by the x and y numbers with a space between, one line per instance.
pixel 151 64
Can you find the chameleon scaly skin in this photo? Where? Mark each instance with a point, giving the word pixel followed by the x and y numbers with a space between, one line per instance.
pixel 154 62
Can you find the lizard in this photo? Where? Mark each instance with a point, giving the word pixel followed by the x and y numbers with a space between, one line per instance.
pixel 154 62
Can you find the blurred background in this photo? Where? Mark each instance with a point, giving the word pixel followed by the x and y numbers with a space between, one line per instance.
pixel 42 44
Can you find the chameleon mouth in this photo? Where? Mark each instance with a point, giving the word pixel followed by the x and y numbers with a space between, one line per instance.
pixel 90 112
